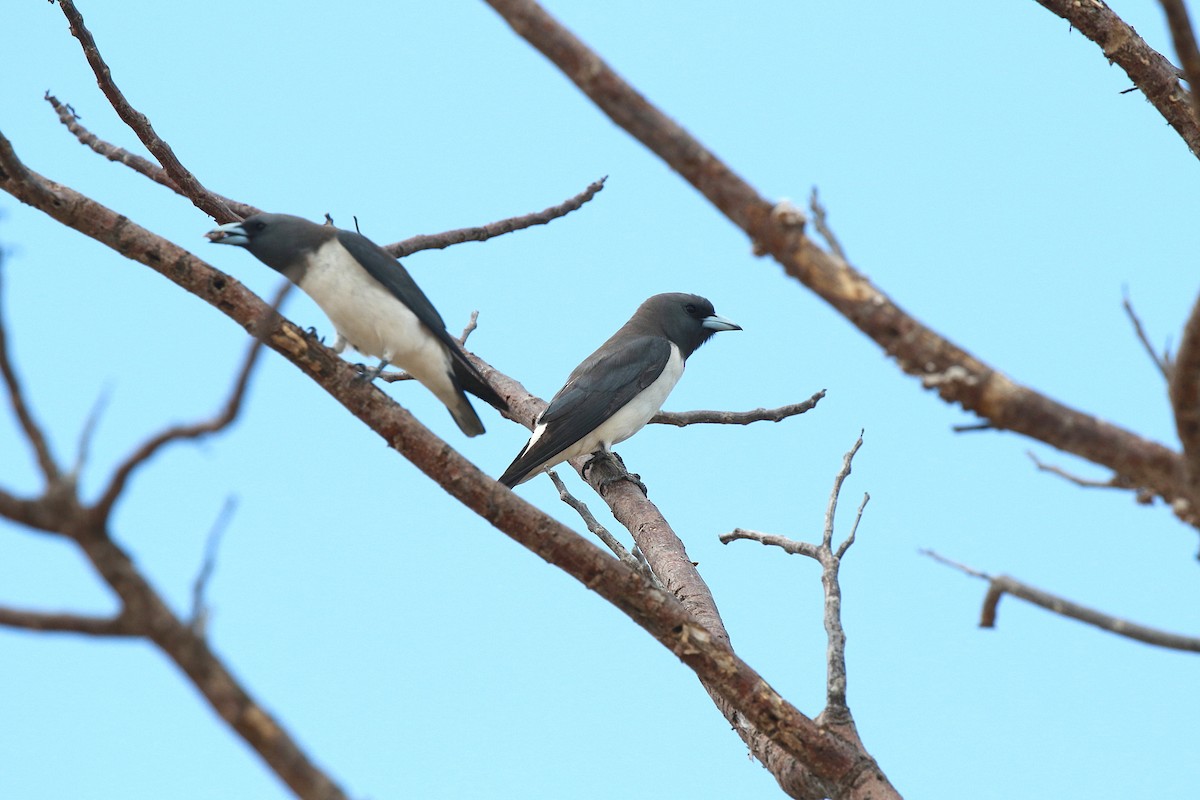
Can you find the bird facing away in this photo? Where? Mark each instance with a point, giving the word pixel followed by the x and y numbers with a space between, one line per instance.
pixel 374 304
pixel 618 388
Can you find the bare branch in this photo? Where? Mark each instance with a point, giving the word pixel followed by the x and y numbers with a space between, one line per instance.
pixel 1185 46
pixel 1000 585
pixel 120 625
pixel 682 418
pixel 957 375
pixel 437 241
pixel 1163 362
pixel 200 610
pixel 1149 70
pixel 836 711
pixel 791 738
pixel 602 533
pixel 821 223
pixel 203 199
pixel 1185 401
pixel 196 430
pixel 1112 483
pixel 85 435
pixel 34 434
pixel 143 166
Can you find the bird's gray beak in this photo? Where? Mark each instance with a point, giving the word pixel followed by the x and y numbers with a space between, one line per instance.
pixel 715 323
pixel 230 233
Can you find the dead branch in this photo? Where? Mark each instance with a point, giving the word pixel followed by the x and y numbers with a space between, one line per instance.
pixel 836 711
pixel 682 418
pixel 68 117
pixel 196 430
pixel 203 199
pixel 957 375
pixel 1163 362
pixel 1088 483
pixel 16 396
pixel 1000 585
pixel 821 222
pixel 1149 70
pixel 1185 400
pixel 437 241
pixel 1184 39
pixel 120 625
pixel 796 738
pixel 208 565
pixel 599 531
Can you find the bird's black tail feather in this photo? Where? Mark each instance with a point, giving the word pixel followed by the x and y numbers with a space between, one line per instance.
pixel 471 381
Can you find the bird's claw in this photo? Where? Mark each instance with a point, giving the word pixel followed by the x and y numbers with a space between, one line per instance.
pixel 611 469
pixel 311 332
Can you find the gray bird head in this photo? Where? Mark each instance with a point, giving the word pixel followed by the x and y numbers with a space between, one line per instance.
pixel 688 320
pixel 278 240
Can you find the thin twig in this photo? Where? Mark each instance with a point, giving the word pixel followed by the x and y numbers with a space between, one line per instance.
pixel 830 559
pixel 203 199
pixel 821 222
pixel 594 526
pixel 143 166
pixel 1184 38
pixel 437 241
pixel 1163 362
pixel 1000 585
pixel 88 431
pixel 119 625
pixel 200 610
pixel 233 405
pixel 682 418
pixel 1114 482
pixel 16 396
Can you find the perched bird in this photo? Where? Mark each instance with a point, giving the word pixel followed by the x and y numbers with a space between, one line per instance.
pixel 374 304
pixel 618 388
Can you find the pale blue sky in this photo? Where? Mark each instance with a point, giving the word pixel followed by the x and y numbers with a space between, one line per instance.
pixel 979 163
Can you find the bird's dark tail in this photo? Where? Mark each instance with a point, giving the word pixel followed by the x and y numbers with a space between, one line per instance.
pixel 468 421
pixel 471 381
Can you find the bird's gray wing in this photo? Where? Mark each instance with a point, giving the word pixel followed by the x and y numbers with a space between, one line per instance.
pixel 597 389
pixel 380 265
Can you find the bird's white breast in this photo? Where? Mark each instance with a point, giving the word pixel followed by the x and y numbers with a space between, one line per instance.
pixel 371 318
pixel 631 417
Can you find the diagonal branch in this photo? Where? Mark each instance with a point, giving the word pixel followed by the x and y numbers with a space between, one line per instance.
pixel 120 625
pixel 206 201
pixel 16 396
pixel 1185 46
pixel 142 166
pixel 682 418
pixel 1149 70
pixel 196 430
pixel 1000 585
pixel 957 375
pixel 831 760
pixel 437 241
pixel 1184 391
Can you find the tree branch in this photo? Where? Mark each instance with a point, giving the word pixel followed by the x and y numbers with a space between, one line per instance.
pixel 836 709
pixel 16 397
pixel 438 241
pixel 1185 399
pixel 958 376
pixel 68 117
pixel 683 418
pixel 831 759
pixel 1149 70
pixel 196 430
pixel 1163 362
pixel 203 199
pixel 1185 46
pixel 1000 585
pixel 121 625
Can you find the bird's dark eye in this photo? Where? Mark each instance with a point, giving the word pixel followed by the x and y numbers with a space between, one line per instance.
pixel 259 225
pixel 690 308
